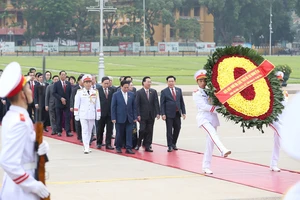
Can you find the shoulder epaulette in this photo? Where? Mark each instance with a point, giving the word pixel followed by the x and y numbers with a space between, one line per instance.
pixel 22 117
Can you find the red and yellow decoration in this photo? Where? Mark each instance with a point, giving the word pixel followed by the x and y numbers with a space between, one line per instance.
pixel 244 85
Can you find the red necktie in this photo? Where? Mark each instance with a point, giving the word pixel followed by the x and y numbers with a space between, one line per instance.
pixel 32 88
pixel 64 86
pixel 173 94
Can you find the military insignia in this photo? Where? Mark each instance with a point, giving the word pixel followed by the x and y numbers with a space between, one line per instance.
pixel 22 117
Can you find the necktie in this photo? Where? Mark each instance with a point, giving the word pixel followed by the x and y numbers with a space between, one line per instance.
pixel 106 93
pixel 173 94
pixel 64 86
pixel 32 88
pixel 147 92
pixel 88 92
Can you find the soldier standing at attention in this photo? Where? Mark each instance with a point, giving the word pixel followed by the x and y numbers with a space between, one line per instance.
pixel 207 119
pixel 18 158
pixel 87 110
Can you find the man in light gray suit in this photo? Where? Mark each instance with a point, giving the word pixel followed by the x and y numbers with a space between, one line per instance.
pixel 50 104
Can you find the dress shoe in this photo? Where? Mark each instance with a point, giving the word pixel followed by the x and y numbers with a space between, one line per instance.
pixel 69 134
pixel 99 146
pixel 175 148
pixel 170 149
pixel 226 153
pixel 46 130
pixel 118 150
pixel 148 149
pixel 109 147
pixel 59 134
pixel 207 171
pixel 274 169
pixel 137 147
pixel 129 151
pixel 53 133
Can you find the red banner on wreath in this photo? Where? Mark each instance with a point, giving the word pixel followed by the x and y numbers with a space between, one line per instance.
pixel 244 81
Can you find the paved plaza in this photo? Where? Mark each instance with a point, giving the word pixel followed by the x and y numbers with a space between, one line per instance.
pixel 73 175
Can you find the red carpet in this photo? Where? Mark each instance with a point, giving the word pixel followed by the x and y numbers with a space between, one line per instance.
pixel 236 171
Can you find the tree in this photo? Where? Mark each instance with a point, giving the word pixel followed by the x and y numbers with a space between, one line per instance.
pixel 156 12
pixel 47 19
pixel 188 29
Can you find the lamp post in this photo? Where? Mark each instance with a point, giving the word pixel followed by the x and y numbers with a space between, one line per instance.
pixel 10 33
pixel 144 8
pixel 270 26
pixel 100 8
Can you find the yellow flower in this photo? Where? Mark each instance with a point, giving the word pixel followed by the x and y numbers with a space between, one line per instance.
pixel 253 108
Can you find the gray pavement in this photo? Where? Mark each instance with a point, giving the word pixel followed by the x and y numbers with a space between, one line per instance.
pixel 100 175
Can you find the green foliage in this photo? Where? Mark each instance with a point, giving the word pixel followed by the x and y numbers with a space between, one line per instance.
pixel 284 68
pixel 275 86
pixel 251 19
pixel 188 29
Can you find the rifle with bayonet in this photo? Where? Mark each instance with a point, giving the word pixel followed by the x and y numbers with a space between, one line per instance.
pixel 40 172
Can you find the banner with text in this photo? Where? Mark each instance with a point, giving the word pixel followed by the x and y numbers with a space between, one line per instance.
pixel 205 47
pixel 7 47
pixel 47 47
pixel 168 47
pixel 129 47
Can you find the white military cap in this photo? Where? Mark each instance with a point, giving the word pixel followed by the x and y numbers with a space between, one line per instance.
pixel 12 81
pixel 200 74
pixel 279 75
pixel 87 77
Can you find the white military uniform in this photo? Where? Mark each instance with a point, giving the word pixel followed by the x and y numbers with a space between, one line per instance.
pixel 207 119
pixel 87 109
pixel 18 157
pixel 277 126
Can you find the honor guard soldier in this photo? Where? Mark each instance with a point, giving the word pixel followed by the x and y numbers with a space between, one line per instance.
pixel 277 126
pixel 87 110
pixel 18 158
pixel 207 119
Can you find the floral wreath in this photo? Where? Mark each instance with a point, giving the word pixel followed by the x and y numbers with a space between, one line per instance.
pixel 255 105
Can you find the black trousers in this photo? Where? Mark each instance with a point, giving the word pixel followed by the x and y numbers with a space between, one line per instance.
pixel 146 132
pixel 173 129
pixel 105 121
pixel 59 115
pixel 78 129
pixel 31 111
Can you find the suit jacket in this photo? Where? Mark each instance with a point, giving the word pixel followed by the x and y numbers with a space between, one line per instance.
pixel 73 93
pixel 168 104
pixel 147 108
pixel 120 111
pixel 50 99
pixel 35 82
pixel 58 93
pixel 37 96
pixel 105 103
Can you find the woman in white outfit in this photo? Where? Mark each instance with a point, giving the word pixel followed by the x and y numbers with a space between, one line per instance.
pixel 207 119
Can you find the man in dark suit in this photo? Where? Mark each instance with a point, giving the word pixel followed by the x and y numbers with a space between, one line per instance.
pixel 39 101
pixel 105 94
pixel 172 107
pixel 32 83
pixel 50 104
pixel 147 107
pixel 78 86
pixel 123 113
pixel 62 92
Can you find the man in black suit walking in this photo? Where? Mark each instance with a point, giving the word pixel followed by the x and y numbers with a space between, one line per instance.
pixel 172 107
pixel 147 110
pixel 62 92
pixel 78 86
pixel 105 95
pixel 39 101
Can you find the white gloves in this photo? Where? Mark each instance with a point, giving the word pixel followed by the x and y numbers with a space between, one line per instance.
pixel 77 118
pixel 40 189
pixel 43 148
pixel 98 117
